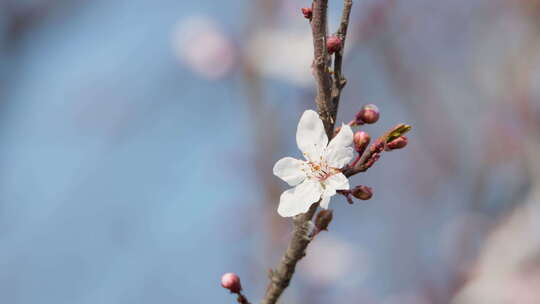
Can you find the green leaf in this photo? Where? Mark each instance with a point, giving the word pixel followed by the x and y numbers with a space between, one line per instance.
pixel 397 131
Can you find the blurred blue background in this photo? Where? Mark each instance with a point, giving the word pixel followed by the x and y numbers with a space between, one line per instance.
pixel 137 140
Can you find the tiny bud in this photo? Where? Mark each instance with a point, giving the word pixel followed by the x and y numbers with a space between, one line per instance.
pixel 231 281
pixel 333 44
pixel 368 114
pixel 397 143
pixel 308 12
pixel 362 192
pixel 361 141
pixel 323 219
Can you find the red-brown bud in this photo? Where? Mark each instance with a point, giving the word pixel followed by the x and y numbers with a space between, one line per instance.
pixel 397 143
pixel 231 281
pixel 368 114
pixel 308 12
pixel 333 44
pixel 362 192
pixel 361 141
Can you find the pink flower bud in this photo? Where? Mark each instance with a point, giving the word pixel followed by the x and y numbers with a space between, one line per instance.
pixel 231 281
pixel 368 114
pixel 333 44
pixel 308 12
pixel 397 143
pixel 361 141
pixel 362 192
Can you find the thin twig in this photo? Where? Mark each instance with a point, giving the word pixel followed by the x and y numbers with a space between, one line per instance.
pixel 241 298
pixel 372 154
pixel 327 105
pixel 340 81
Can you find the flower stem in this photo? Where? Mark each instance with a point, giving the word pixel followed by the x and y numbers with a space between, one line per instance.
pixel 241 298
pixel 355 161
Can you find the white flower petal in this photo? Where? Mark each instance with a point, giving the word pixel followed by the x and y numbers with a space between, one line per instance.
pixel 325 200
pixel 298 200
pixel 290 170
pixel 344 138
pixel 311 136
pixel 336 182
pixel 338 158
pixel 338 153
pixel 329 191
pixel 333 183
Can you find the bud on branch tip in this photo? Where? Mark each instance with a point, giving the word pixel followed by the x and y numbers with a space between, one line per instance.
pixel 396 132
pixel 361 141
pixel 362 192
pixel 368 114
pixel 231 281
pixel 397 143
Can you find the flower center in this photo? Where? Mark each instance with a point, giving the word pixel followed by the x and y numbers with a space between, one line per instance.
pixel 321 171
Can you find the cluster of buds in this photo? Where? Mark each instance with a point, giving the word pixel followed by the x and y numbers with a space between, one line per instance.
pixel 391 140
pixel 368 154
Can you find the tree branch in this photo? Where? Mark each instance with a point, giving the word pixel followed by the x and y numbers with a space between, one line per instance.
pixel 327 110
pixel 340 81
pixel 327 104
pixel 282 275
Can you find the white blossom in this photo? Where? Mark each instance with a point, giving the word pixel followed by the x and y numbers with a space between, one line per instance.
pixel 319 175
